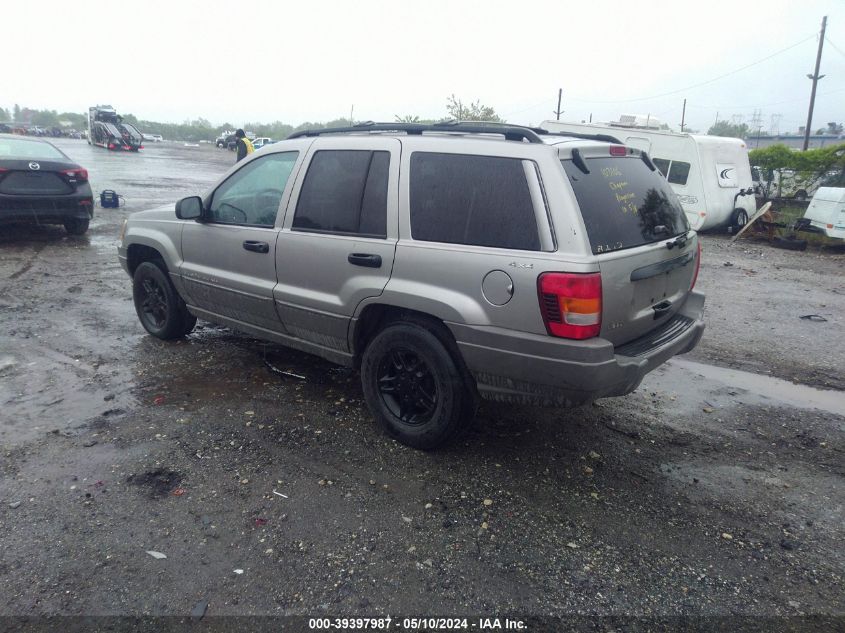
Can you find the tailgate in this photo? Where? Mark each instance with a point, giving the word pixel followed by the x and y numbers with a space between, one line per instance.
pixel 643 288
pixel 640 235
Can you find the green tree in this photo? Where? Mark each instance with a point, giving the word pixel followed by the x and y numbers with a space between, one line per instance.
pixel 779 163
pixel 474 111
pixel 76 120
pixel 5 115
pixel 45 118
pixel 16 113
pixel 725 128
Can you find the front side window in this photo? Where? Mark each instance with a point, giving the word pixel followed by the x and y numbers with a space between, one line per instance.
pixel 251 196
pixel 675 171
pixel 662 164
pixel 345 192
pixel 475 200
pixel 679 172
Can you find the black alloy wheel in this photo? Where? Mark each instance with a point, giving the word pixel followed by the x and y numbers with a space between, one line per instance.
pixel 153 303
pixel 159 307
pixel 407 386
pixel 415 385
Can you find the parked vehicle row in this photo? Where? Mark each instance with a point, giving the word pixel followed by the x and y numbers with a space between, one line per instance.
pixel 446 262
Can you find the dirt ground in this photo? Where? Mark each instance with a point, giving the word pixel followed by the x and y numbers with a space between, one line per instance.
pixel 716 489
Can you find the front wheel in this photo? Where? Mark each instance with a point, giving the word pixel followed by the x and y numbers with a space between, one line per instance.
pixel 159 307
pixel 413 386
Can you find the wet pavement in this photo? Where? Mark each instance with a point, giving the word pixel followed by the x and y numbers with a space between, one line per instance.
pixel 714 489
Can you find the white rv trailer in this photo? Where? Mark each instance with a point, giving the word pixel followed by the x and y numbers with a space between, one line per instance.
pixel 827 211
pixel 710 174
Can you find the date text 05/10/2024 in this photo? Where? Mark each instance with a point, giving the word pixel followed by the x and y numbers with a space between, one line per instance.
pixel 417 624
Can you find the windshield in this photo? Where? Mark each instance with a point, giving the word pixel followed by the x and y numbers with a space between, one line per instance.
pixel 624 203
pixel 24 148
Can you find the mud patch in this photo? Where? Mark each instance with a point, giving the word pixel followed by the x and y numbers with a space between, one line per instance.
pixel 159 483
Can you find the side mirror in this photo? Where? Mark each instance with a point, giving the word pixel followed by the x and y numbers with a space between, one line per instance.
pixel 189 208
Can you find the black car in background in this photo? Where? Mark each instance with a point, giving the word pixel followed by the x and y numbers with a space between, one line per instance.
pixel 39 184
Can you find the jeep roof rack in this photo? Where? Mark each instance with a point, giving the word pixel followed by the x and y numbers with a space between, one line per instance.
pixel 510 132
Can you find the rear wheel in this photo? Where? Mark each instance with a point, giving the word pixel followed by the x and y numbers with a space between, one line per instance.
pixel 159 307
pixel 76 226
pixel 738 220
pixel 414 387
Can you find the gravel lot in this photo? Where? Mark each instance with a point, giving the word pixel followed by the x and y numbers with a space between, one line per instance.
pixel 716 489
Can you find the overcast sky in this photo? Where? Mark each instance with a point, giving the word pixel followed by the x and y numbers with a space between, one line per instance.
pixel 261 61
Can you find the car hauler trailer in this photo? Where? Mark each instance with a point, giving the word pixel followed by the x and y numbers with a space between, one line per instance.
pixel 710 174
pixel 107 129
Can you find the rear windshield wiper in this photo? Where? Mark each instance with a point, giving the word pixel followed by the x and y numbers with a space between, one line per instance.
pixel 678 241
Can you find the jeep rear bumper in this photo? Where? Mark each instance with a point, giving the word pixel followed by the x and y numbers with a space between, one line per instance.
pixel 543 370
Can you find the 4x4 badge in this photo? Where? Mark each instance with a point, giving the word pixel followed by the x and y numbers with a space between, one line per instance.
pixel 34 166
pixel 520 265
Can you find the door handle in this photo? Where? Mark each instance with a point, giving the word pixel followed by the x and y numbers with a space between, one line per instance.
pixel 257 247
pixel 364 259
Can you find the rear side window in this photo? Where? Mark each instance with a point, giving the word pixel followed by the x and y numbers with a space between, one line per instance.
pixel 476 200
pixel 345 191
pixel 624 204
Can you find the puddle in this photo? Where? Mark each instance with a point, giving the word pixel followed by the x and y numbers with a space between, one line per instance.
pixel 720 386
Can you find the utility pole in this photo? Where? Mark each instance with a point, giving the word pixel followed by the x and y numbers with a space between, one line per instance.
pixel 558 112
pixel 351 112
pixel 683 116
pixel 716 122
pixel 815 77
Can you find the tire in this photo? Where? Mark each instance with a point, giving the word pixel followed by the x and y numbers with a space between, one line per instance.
pixel 414 387
pixel 76 226
pixel 159 307
pixel 790 243
pixel 739 219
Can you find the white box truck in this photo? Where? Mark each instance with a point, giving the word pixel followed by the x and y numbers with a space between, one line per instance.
pixel 710 174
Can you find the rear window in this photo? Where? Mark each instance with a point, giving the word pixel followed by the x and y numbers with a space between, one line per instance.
pixel 624 204
pixel 23 148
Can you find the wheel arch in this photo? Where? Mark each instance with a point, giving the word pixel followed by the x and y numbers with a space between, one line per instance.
pixel 374 317
pixel 137 254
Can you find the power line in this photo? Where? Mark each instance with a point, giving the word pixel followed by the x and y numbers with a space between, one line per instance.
pixel 750 106
pixel 838 50
pixel 704 83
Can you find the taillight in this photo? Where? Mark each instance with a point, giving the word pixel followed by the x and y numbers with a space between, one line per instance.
pixel 79 175
pixel 111 145
pixel 618 150
pixel 697 264
pixel 571 304
pixel 140 147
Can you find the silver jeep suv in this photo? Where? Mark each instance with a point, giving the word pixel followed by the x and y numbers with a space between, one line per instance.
pixel 445 261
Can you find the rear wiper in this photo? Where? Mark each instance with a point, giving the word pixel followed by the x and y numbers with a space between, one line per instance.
pixel 579 161
pixel 679 241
